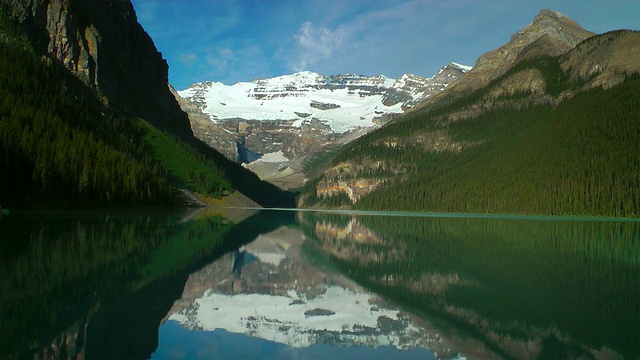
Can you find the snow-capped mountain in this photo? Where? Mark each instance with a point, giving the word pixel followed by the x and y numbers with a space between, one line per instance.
pixel 295 115
pixel 344 102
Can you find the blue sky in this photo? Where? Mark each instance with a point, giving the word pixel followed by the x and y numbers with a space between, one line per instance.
pixel 239 40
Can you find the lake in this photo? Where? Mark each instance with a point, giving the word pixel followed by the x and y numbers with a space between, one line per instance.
pixel 304 284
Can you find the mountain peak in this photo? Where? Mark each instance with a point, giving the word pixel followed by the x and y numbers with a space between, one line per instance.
pixel 548 13
pixel 550 33
pixel 554 24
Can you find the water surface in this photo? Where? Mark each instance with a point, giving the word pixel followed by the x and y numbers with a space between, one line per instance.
pixel 282 284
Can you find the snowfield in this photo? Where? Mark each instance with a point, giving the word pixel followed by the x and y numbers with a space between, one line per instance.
pixel 351 101
pixel 275 157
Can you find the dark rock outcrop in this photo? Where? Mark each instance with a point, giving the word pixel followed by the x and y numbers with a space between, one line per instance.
pixel 323 106
pixel 246 156
pixel 204 129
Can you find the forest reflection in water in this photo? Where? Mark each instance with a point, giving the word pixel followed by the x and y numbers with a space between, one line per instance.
pixel 519 287
pixel 96 284
pixel 105 285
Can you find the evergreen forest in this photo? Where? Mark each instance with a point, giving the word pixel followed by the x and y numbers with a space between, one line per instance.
pixel 578 157
pixel 61 147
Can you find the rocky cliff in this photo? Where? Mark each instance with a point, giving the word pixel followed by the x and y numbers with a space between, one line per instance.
pixel 602 61
pixel 411 89
pixel 202 127
pixel 102 43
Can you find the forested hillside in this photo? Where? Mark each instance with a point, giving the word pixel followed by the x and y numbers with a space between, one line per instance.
pixel 526 154
pixel 56 145
pixel 61 146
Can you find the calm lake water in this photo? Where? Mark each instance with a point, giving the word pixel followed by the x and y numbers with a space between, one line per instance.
pixel 307 285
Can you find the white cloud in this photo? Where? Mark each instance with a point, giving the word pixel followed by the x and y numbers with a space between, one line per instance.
pixel 187 59
pixel 222 59
pixel 314 45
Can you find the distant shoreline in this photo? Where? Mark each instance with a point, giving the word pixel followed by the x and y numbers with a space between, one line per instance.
pixel 450 215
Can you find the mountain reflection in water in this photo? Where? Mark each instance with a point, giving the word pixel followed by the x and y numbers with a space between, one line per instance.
pixel 281 284
pixel 271 289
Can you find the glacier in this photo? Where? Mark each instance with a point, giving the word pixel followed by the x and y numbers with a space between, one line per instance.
pixel 353 101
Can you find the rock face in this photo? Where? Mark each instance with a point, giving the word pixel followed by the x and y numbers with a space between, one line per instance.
pixel 405 89
pixel 102 43
pixel 355 189
pixel 212 134
pixel 301 113
pixel 603 60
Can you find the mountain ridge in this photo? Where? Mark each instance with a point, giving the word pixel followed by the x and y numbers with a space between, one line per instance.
pixel 471 148
pixel 298 115
pixel 554 26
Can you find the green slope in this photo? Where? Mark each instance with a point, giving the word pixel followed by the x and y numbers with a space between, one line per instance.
pixel 581 157
pixel 60 146
pixel 190 168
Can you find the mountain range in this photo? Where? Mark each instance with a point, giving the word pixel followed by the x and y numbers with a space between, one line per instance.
pixel 545 124
pixel 291 117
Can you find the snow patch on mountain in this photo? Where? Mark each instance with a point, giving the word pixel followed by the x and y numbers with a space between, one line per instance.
pixel 343 102
pixel 274 157
pixel 465 68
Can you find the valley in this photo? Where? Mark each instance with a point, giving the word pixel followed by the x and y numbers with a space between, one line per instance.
pixel 516 126
pixel 295 116
pixel 469 139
